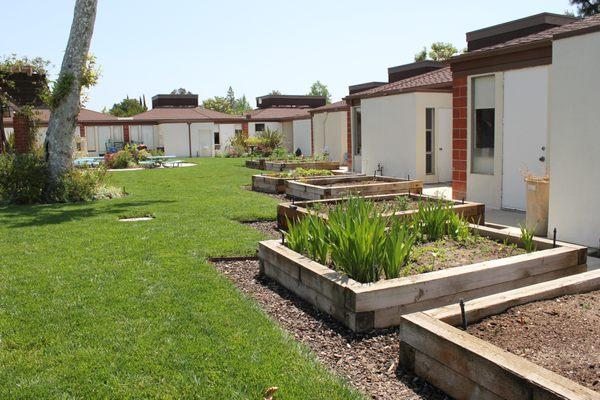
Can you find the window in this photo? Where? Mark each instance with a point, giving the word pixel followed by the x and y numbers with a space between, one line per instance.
pixel 483 116
pixel 259 127
pixel 217 138
pixel 357 130
pixel 429 140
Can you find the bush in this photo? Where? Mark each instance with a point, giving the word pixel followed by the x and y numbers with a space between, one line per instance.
pixel 121 159
pixel 79 185
pixel 23 178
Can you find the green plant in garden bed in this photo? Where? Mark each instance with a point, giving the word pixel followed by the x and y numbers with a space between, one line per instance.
pixel 368 246
pixel 302 173
pixel 527 238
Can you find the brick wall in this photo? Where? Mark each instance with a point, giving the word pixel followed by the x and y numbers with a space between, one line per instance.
pixel 126 133
pixel 82 130
pixel 312 137
pixel 21 134
pixel 459 138
pixel 349 137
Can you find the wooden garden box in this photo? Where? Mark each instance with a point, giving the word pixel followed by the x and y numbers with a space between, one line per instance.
pixel 340 186
pixel 466 367
pixel 280 166
pixel 473 212
pixel 363 307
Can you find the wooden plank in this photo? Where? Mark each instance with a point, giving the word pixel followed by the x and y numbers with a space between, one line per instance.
pixel 502 373
pixel 392 316
pixel 446 379
pixel 393 292
pixel 483 307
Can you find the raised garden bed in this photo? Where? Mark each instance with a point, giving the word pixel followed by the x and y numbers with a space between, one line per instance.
pixel 256 164
pixel 276 184
pixel 340 186
pixel 362 307
pixel 561 333
pixel 385 204
pixel 290 165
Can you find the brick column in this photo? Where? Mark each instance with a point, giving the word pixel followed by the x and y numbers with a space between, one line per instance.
pixel 21 133
pixel 459 139
pixel 349 137
pixel 312 137
pixel 126 133
pixel 81 131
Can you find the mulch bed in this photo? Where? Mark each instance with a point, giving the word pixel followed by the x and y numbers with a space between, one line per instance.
pixel 269 228
pixel 281 197
pixel 368 361
pixel 562 335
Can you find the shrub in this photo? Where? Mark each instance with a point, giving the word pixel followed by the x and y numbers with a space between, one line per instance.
pixel 23 178
pixel 79 185
pixel 121 159
pixel 269 141
pixel 302 173
pixel 143 155
pixel 397 249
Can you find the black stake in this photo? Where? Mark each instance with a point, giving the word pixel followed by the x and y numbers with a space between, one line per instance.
pixel 554 239
pixel 463 200
pixel 463 314
pixel 282 236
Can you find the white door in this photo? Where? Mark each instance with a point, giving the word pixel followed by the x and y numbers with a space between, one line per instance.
pixel 204 142
pixel 524 132
pixel 444 144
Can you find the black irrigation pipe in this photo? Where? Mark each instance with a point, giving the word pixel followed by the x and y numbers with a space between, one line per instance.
pixel 230 259
pixel 554 238
pixel 463 314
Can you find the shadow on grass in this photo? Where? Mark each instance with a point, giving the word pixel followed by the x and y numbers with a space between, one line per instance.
pixel 52 214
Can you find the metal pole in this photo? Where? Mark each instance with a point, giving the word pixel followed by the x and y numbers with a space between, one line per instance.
pixel 463 315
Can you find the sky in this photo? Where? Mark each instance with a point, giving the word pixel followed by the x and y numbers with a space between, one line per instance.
pixel 147 47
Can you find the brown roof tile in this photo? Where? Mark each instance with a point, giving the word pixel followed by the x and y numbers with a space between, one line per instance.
pixel 337 106
pixel 279 114
pixel 546 35
pixel 439 79
pixel 191 114
pixel 85 116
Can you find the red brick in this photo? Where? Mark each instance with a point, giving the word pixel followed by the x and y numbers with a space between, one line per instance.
pixel 459 176
pixel 459 123
pixel 459 144
pixel 21 134
pixel 459 102
pixel 126 133
pixel 459 165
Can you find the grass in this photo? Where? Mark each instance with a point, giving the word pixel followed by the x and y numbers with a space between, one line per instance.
pixel 94 308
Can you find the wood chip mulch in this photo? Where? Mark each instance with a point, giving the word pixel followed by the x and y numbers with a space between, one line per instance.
pixel 368 361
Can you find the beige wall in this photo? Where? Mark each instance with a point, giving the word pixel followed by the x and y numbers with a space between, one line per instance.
pixel 301 136
pixel 575 140
pixel 330 132
pixel 393 133
pixel 287 130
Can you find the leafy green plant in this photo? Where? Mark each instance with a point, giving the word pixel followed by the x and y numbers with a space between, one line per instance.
pixel 270 140
pixel 436 219
pixel 302 172
pixel 397 249
pixel 310 237
pixel 402 203
pixel 527 238
pixel 23 178
pixel 357 239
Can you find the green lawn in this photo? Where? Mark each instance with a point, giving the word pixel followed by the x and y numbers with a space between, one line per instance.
pixel 95 308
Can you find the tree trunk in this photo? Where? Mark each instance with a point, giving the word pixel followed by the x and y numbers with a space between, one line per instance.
pixel 63 118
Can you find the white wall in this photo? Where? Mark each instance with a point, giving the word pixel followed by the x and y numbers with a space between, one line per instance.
pixel 175 139
pixel 288 135
pixel 388 135
pixel 575 140
pixel 226 132
pixel 98 135
pixel 302 141
pixel 330 131
pixel 274 126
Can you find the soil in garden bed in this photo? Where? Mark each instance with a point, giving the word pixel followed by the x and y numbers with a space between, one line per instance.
pixel 562 335
pixel 368 361
pixel 446 253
